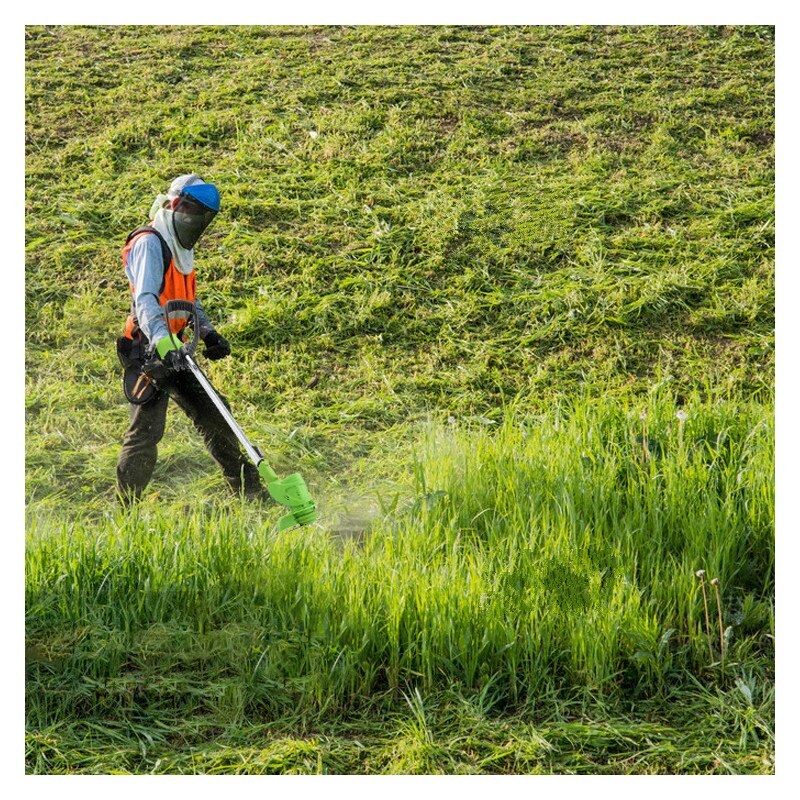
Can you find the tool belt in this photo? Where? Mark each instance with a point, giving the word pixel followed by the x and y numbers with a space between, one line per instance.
pixel 136 383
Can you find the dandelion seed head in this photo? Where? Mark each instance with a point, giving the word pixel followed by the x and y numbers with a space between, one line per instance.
pixel 682 415
pixel 700 573
pixel 715 581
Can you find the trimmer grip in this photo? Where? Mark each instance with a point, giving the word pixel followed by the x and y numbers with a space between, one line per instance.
pixel 187 310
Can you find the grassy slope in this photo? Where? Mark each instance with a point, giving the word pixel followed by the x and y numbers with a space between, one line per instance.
pixel 483 214
pixel 441 221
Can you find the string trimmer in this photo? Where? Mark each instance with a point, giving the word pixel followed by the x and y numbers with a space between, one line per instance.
pixel 290 491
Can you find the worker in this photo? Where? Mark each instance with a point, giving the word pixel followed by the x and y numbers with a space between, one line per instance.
pixel 159 263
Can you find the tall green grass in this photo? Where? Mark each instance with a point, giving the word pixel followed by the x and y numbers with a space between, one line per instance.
pixel 555 555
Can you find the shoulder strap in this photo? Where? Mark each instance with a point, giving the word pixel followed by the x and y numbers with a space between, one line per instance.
pixel 166 253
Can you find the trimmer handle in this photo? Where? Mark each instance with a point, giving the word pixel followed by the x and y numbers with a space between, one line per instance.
pixel 183 309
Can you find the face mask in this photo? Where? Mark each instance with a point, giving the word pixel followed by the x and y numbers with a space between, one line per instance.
pixel 189 219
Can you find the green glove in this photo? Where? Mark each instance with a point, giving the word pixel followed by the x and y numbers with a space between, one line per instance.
pixel 167 343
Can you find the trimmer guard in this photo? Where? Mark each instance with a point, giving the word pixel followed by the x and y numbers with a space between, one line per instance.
pixel 293 492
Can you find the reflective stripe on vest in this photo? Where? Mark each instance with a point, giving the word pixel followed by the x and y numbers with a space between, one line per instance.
pixel 174 286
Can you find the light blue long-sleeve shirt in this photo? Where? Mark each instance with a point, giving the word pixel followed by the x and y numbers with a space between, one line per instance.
pixel 145 271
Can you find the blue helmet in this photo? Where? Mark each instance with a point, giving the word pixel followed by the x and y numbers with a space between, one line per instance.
pixel 205 193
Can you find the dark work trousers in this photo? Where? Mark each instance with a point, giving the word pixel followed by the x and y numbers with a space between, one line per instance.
pixel 140 445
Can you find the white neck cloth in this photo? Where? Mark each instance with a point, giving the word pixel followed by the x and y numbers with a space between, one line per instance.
pixel 184 259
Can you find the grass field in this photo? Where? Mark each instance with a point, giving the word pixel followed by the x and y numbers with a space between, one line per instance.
pixel 470 277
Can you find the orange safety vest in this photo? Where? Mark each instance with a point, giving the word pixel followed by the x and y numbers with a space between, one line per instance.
pixel 174 286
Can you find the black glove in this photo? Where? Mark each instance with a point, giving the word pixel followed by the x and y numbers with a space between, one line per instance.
pixel 161 370
pixel 216 346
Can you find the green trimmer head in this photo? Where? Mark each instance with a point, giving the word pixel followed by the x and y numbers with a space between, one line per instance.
pixel 290 491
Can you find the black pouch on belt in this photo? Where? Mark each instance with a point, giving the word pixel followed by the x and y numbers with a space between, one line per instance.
pixel 136 383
